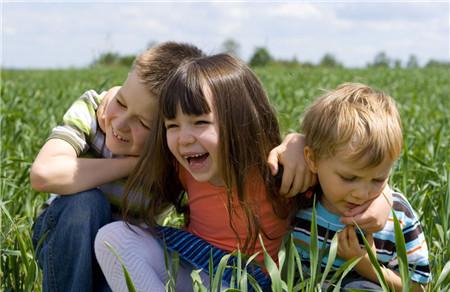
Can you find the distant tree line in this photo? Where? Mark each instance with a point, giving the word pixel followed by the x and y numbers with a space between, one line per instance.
pixel 262 57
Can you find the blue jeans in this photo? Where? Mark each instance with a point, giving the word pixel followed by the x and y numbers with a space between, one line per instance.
pixel 63 237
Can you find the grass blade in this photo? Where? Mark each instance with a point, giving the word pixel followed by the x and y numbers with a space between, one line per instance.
pixel 128 280
pixel 375 264
pixel 331 258
pixel 197 283
pixel 345 269
pixel 272 268
pixel 401 253
pixel 445 275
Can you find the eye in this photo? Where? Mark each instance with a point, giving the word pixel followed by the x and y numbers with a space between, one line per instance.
pixel 170 125
pixel 379 180
pixel 121 104
pixel 144 125
pixel 348 178
pixel 202 122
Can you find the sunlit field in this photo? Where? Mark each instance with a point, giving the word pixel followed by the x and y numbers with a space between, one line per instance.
pixel 33 102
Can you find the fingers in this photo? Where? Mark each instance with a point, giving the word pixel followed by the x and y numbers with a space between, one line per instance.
pixel 347 220
pixel 342 242
pixel 358 210
pixel 369 238
pixel 351 235
pixel 297 185
pixel 289 176
pixel 365 223
pixel 302 181
pixel 272 160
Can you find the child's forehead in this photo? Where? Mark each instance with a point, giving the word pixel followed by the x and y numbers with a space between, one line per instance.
pixel 348 162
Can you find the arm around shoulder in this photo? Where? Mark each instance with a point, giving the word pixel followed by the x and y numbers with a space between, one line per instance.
pixel 52 159
pixel 57 169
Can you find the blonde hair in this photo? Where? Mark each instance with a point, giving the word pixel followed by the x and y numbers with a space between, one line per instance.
pixel 156 64
pixel 364 120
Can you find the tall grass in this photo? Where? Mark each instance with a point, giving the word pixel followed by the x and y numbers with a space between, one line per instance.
pixel 32 102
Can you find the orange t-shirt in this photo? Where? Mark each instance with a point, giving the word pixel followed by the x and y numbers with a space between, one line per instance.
pixel 209 217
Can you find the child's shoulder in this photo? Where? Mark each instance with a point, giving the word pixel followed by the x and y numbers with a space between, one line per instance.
pixel 402 205
pixel 92 97
pixel 404 212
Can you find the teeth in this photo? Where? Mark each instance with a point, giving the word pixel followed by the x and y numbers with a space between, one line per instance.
pixel 119 137
pixel 193 156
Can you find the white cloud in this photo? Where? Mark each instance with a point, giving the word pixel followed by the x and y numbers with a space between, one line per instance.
pixel 64 34
pixel 302 11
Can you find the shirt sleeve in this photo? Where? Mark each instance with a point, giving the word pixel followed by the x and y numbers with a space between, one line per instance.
pixel 79 122
pixel 416 245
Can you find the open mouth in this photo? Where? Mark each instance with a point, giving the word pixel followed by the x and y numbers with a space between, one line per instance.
pixel 196 159
pixel 120 138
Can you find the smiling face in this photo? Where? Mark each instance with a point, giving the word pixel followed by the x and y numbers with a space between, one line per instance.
pixel 194 141
pixel 345 184
pixel 128 117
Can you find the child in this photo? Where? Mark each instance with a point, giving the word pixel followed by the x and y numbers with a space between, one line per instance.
pixel 353 136
pixel 211 139
pixel 111 129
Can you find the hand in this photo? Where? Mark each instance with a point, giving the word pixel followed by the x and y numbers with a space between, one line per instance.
pixel 297 177
pixel 348 246
pixel 372 215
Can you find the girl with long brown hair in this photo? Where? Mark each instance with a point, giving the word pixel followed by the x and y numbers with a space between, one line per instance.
pixel 210 140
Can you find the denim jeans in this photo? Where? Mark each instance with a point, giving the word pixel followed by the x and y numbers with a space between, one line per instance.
pixel 63 237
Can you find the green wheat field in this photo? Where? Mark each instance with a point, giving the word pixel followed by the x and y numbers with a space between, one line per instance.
pixel 32 102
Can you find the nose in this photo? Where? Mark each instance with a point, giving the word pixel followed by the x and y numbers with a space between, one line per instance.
pixel 122 123
pixel 185 136
pixel 362 192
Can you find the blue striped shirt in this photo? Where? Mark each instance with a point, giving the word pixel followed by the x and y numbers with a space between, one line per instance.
pixel 328 224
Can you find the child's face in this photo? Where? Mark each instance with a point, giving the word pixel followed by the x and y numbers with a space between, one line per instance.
pixel 344 183
pixel 128 117
pixel 194 141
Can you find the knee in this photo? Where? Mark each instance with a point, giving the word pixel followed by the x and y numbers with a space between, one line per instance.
pixel 89 209
pixel 113 235
pixel 110 233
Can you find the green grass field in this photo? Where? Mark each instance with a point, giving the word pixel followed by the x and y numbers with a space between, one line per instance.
pixel 32 102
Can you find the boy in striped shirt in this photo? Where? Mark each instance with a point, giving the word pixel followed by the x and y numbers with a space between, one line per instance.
pixel 85 162
pixel 353 136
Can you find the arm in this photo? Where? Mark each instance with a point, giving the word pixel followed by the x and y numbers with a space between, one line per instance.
pixel 349 248
pixel 373 215
pixel 296 176
pixel 57 169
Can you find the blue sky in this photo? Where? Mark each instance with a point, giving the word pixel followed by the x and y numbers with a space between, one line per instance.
pixel 58 34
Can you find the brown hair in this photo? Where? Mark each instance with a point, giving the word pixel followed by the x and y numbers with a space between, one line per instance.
pixel 248 130
pixel 356 116
pixel 155 65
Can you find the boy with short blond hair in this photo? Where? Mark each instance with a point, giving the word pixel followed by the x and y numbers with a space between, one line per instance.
pixel 353 136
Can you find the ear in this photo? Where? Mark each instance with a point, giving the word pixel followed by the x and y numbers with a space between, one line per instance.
pixel 310 159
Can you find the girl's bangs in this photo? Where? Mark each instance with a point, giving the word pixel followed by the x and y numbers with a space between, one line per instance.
pixel 184 92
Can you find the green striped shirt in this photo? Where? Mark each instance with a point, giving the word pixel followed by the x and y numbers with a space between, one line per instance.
pixel 80 129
